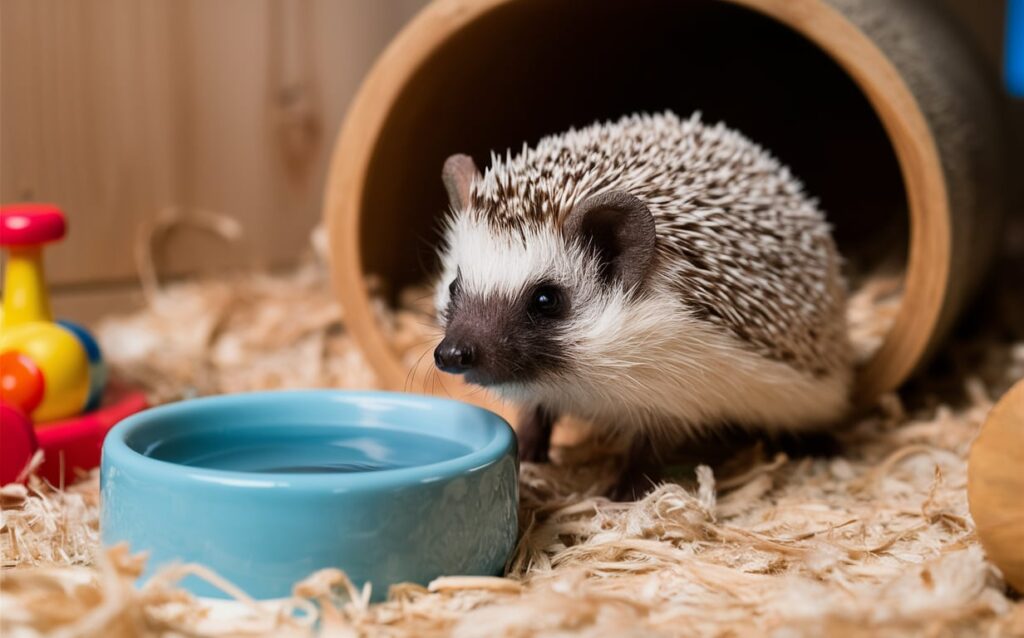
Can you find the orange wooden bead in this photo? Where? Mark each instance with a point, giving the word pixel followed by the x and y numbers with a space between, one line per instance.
pixel 21 382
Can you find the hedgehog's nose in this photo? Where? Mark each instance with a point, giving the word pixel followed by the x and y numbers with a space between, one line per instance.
pixel 454 357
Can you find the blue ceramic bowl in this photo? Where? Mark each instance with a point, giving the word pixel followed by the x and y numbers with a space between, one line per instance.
pixel 266 488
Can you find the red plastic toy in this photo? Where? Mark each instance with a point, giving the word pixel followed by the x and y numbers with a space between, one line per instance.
pixel 50 371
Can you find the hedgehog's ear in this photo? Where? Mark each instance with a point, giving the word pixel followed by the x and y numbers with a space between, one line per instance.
pixel 458 173
pixel 620 228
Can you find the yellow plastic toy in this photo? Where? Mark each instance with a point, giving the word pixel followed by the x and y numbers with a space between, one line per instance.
pixel 49 370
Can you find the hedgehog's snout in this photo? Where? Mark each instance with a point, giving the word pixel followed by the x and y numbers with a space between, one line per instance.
pixel 455 355
pixel 493 340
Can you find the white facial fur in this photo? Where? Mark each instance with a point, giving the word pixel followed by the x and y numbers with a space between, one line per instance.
pixel 506 264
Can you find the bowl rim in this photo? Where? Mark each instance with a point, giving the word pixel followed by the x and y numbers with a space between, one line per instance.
pixel 118 456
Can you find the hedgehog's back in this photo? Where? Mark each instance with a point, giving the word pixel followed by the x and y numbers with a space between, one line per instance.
pixel 738 238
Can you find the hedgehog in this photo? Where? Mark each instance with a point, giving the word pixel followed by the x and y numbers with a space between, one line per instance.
pixel 656 276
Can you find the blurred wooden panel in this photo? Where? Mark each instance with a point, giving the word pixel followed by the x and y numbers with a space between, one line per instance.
pixel 122 110
pixel 89 304
pixel 82 123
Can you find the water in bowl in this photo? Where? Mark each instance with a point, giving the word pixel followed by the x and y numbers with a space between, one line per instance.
pixel 305 450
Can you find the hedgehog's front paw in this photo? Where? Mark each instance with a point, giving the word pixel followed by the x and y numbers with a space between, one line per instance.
pixel 641 473
pixel 533 451
pixel 634 483
pixel 534 434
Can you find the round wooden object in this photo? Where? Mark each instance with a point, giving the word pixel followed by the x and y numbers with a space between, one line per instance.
pixel 879 107
pixel 995 485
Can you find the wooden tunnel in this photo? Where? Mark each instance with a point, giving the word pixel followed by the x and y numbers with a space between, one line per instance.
pixel 881 108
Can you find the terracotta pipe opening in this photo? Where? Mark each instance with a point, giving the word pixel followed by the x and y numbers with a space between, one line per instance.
pixel 533 68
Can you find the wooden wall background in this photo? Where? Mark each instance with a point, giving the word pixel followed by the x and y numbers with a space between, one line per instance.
pixel 125 110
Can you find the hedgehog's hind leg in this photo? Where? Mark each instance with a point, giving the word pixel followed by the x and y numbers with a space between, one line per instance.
pixel 534 433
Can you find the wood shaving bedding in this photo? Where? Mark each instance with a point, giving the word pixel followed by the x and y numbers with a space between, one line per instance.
pixel 877 540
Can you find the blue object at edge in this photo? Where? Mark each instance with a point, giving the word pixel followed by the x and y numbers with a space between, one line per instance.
pixel 1013 67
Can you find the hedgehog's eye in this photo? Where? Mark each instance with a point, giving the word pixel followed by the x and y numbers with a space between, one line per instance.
pixel 547 301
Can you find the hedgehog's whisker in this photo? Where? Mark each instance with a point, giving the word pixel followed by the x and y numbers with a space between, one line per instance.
pixel 411 375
